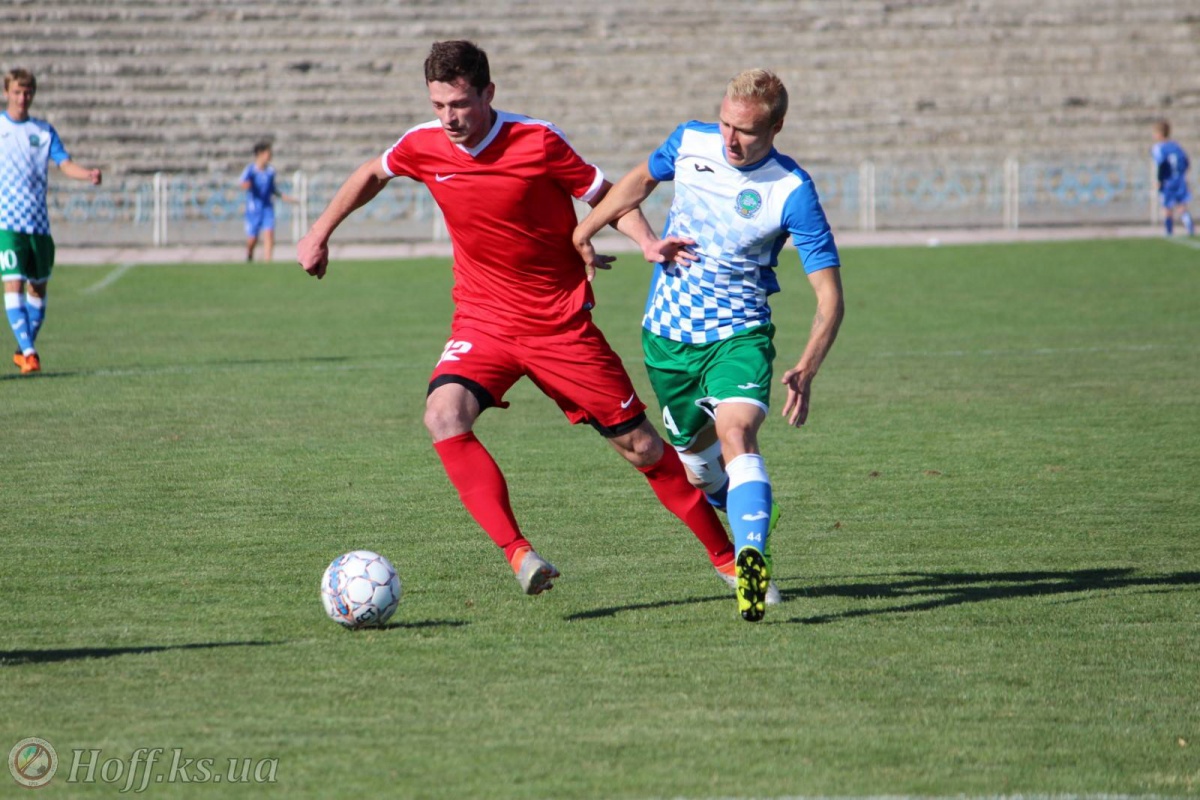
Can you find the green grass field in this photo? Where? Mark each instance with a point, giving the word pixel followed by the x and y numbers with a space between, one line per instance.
pixel 988 552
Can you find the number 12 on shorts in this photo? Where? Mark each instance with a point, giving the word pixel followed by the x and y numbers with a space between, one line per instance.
pixel 453 350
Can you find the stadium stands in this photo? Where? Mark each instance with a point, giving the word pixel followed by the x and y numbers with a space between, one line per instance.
pixel 147 85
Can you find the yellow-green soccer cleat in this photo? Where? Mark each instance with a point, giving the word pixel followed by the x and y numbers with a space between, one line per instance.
pixel 728 573
pixel 753 580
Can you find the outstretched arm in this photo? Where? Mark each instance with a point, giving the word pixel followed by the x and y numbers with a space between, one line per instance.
pixel 76 172
pixel 619 207
pixel 363 184
pixel 827 284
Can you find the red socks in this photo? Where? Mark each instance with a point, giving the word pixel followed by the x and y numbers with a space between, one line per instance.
pixel 482 488
pixel 484 493
pixel 669 482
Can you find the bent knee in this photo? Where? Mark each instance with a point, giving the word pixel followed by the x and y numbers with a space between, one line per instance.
pixel 642 446
pixel 449 414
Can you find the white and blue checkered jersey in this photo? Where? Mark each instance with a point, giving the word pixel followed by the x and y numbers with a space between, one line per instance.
pixel 740 220
pixel 26 150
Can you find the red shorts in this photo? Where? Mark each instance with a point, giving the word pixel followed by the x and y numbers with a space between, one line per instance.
pixel 576 369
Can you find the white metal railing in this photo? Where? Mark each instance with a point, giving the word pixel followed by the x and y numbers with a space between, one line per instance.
pixel 1012 193
pixel 164 208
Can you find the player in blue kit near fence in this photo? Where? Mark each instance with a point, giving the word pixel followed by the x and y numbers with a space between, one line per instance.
pixel 27 146
pixel 1172 163
pixel 707 330
pixel 258 179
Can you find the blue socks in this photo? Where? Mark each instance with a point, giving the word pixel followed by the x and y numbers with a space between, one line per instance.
pixel 1185 218
pixel 35 312
pixel 18 320
pixel 720 498
pixel 749 502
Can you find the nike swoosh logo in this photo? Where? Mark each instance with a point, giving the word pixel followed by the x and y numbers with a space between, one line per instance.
pixel 704 168
pixel 629 402
pixel 749 386
pixel 755 517
pixel 444 178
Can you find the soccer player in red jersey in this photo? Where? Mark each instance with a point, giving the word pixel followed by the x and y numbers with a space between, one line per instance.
pixel 522 296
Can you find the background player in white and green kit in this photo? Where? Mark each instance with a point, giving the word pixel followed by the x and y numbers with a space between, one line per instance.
pixel 27 146
pixel 707 326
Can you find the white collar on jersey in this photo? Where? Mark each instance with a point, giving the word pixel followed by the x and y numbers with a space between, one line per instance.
pixel 501 118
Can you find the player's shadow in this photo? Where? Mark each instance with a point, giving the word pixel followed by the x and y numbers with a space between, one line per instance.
pixel 13 658
pixel 911 592
pixel 917 592
pixel 612 611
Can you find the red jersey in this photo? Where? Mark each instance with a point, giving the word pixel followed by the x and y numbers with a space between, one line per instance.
pixel 507 205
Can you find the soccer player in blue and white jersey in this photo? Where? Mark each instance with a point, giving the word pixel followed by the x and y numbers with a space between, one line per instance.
pixel 1172 164
pixel 27 146
pixel 707 329
pixel 258 180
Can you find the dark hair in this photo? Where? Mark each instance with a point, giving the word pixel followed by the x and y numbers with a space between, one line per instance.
pixel 449 61
pixel 261 146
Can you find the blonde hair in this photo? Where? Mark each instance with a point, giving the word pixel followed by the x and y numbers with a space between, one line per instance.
pixel 21 77
pixel 763 87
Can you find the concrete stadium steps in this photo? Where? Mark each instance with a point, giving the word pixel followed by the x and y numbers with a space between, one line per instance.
pixel 188 86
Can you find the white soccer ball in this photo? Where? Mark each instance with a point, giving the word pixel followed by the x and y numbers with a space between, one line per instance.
pixel 360 589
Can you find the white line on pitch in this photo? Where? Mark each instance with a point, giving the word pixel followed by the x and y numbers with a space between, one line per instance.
pixel 1190 241
pixel 109 279
pixel 234 366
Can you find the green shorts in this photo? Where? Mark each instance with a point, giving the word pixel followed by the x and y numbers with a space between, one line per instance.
pixel 690 379
pixel 26 256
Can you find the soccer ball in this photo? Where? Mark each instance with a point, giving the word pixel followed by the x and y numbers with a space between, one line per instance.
pixel 360 589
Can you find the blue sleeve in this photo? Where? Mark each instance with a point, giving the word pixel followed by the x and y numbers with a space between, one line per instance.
pixel 246 173
pixel 662 160
pixel 805 220
pixel 58 153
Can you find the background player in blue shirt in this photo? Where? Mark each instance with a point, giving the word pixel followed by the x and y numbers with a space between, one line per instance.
pixel 707 330
pixel 27 146
pixel 1172 164
pixel 258 179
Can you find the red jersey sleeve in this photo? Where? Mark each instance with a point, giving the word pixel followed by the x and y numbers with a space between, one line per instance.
pixel 403 158
pixel 581 179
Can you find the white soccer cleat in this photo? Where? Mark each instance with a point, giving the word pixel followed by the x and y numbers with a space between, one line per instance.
pixel 534 573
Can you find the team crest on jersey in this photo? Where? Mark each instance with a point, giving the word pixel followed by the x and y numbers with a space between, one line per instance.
pixel 33 140
pixel 748 203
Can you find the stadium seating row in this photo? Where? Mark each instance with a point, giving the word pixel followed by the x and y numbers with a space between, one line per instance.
pixel 156 85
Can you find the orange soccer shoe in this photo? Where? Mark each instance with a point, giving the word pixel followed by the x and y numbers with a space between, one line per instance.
pixel 27 363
